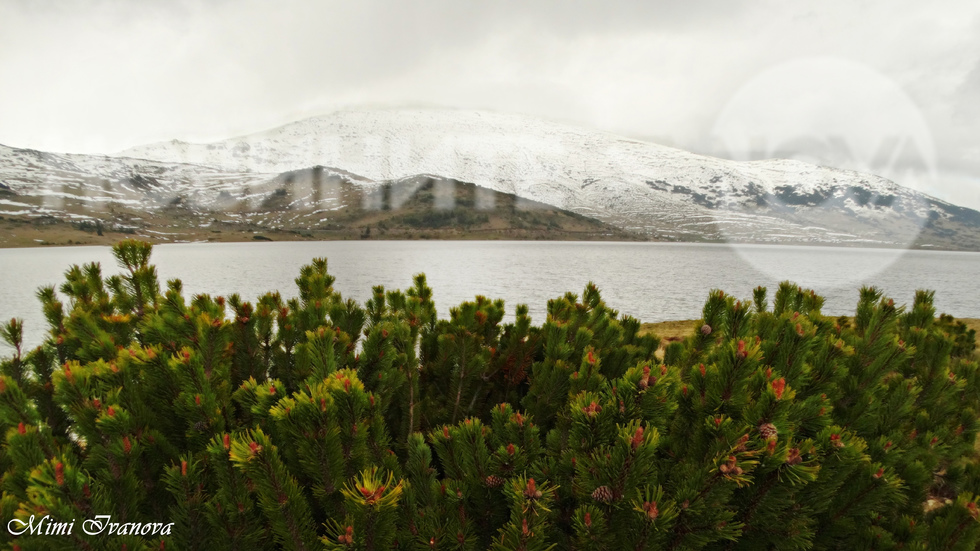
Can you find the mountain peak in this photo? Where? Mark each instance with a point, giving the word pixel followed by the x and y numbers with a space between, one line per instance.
pixel 652 190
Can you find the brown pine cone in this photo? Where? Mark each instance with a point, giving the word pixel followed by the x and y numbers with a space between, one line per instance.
pixel 602 494
pixel 706 329
pixel 494 481
pixel 768 431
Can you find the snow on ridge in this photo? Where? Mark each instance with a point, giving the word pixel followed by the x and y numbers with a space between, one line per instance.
pixel 491 149
pixel 626 182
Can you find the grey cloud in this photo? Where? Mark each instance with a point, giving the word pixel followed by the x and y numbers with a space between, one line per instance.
pixel 108 74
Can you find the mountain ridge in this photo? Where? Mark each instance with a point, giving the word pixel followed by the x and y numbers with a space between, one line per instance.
pixel 653 191
pixel 656 191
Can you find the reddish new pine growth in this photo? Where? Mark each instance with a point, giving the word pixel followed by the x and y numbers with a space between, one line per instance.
pixel 778 387
pixel 226 441
pixel 347 538
pixel 254 447
pixel 510 449
pixel 372 497
pixel 183 468
pixel 127 446
pixel 197 399
pixel 59 473
pixel 532 491
pixel 588 520
pixel 111 412
pixel 650 508
pixel 793 458
pixel 592 409
pixel 21 429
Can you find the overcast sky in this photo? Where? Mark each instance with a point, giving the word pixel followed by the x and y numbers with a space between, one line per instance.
pixel 101 76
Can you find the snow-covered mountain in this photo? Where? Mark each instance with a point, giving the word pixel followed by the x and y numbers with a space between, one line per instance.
pixel 55 181
pixel 268 180
pixel 639 186
pixel 146 195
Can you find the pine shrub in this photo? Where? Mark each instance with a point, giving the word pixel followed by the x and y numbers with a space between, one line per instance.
pixel 318 423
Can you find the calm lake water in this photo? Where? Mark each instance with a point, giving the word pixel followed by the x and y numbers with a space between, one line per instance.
pixel 650 281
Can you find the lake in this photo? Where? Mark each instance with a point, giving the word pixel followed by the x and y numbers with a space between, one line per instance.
pixel 650 281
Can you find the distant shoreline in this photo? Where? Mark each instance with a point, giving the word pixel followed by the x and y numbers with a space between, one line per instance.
pixel 17 233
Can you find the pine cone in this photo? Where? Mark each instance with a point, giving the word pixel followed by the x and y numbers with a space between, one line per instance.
pixel 494 481
pixel 602 494
pixel 706 329
pixel 768 431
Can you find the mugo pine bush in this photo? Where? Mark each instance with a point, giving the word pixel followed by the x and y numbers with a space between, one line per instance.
pixel 319 423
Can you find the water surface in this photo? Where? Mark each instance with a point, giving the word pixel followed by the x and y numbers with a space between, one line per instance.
pixel 650 281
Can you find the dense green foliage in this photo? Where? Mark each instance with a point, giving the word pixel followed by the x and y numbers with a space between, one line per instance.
pixel 319 423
